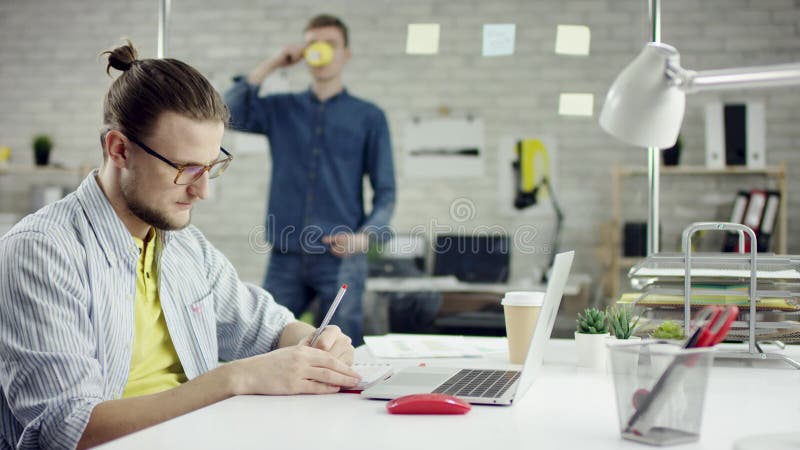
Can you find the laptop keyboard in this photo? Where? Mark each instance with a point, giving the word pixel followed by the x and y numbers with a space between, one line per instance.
pixel 478 383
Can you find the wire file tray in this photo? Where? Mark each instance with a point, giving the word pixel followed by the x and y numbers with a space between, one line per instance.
pixel 766 277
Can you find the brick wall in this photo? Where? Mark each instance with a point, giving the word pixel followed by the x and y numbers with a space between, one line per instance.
pixel 51 81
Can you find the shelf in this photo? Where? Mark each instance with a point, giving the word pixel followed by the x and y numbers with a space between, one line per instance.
pixel 32 187
pixel 28 170
pixel 775 173
pixel 779 170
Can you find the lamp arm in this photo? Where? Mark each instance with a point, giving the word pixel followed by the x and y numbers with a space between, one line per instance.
pixel 556 207
pixel 734 78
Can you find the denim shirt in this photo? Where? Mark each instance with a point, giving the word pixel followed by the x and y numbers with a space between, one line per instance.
pixel 320 154
pixel 67 289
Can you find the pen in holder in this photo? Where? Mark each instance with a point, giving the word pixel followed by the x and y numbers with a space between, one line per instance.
pixel 660 390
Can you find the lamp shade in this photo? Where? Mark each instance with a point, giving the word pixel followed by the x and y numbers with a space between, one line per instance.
pixel 643 107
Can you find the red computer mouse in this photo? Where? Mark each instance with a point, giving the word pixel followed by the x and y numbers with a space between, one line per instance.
pixel 428 404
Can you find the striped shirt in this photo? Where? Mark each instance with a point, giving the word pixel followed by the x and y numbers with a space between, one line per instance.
pixel 67 289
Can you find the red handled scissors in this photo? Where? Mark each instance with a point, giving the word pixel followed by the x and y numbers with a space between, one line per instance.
pixel 718 321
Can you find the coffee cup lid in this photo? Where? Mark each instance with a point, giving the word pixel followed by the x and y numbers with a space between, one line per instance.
pixel 523 298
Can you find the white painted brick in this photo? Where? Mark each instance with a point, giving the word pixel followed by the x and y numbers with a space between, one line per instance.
pixel 46 77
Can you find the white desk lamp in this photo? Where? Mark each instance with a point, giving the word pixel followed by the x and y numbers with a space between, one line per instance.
pixel 645 105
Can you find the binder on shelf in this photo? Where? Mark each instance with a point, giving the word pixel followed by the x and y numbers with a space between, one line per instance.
pixel 715 138
pixel 753 215
pixel 735 134
pixel 756 135
pixel 758 210
pixel 731 241
pixel 735 117
pixel 768 221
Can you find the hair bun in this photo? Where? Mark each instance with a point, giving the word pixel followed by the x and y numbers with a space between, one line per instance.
pixel 121 58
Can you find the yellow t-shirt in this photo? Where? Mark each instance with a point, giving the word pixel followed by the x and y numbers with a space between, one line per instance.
pixel 155 366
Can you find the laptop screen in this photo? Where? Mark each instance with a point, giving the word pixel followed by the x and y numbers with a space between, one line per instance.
pixel 547 319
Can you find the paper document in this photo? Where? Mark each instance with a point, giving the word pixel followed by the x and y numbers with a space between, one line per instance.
pixel 498 39
pixel 422 39
pixel 573 40
pixel 371 373
pixel 790 274
pixel 779 304
pixel 420 346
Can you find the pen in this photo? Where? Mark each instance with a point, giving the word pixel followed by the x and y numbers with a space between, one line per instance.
pixel 329 314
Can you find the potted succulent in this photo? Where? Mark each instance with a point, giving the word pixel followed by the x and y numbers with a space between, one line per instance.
pixel 41 149
pixel 622 325
pixel 590 339
pixel 620 321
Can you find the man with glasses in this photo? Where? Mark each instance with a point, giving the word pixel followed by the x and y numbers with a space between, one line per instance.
pixel 189 173
pixel 114 312
pixel 323 142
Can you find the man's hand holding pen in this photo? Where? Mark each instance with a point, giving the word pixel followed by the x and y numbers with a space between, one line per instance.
pixel 298 369
pixel 319 364
pixel 333 341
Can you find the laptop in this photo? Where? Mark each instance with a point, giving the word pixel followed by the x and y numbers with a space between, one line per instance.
pixel 480 385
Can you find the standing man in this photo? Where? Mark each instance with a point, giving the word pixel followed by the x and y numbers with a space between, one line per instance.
pixel 323 142
pixel 114 312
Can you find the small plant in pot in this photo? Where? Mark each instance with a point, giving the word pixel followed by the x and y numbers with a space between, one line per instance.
pixel 622 325
pixel 42 144
pixel 621 322
pixel 590 339
pixel 668 330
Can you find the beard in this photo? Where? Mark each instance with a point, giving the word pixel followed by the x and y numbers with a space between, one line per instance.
pixel 145 213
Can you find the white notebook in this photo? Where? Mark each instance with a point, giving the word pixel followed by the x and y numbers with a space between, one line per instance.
pixel 371 373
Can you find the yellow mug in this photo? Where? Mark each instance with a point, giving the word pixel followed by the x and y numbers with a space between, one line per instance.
pixel 318 54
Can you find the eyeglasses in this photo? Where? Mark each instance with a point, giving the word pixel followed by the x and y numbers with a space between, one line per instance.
pixel 189 173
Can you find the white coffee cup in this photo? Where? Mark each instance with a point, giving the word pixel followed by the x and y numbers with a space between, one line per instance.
pixel 521 311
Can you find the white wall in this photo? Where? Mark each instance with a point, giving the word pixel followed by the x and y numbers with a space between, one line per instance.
pixel 52 81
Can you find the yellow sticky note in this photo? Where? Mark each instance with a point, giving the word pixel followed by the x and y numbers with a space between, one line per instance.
pixel 422 39
pixel 573 104
pixel 573 40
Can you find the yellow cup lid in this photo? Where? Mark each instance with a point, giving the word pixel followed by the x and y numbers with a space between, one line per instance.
pixel 318 54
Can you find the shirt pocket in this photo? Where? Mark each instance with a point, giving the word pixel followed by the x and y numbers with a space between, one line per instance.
pixel 346 143
pixel 203 319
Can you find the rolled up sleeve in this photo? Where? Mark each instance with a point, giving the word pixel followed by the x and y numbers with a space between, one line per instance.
pixel 49 374
pixel 249 112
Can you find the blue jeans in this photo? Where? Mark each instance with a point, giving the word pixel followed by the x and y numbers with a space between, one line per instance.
pixel 295 279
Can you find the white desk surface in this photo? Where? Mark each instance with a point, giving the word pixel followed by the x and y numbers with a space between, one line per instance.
pixel 566 408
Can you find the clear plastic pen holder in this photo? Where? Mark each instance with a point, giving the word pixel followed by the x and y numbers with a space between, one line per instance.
pixel 660 390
